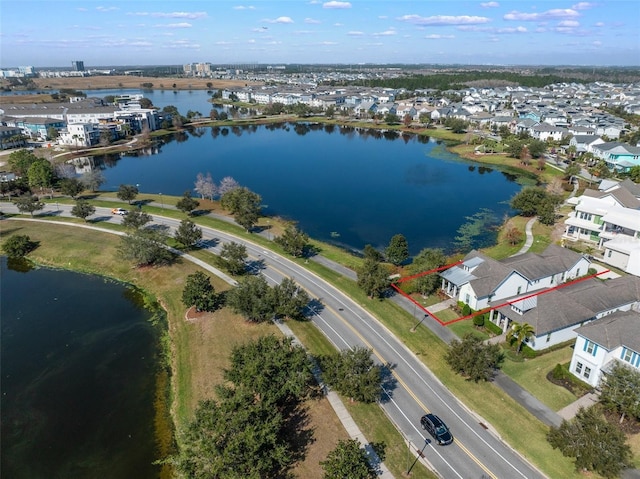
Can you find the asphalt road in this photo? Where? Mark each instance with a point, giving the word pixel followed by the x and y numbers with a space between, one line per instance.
pixel 411 389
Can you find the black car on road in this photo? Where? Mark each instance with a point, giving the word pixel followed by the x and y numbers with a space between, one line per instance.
pixel 438 429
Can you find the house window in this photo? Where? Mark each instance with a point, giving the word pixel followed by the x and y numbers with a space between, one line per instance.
pixel 579 368
pixel 519 289
pixel 587 372
pixel 609 254
pixel 466 298
pixel 590 345
pixel 627 355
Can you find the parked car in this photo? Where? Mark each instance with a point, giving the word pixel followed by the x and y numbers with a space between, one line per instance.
pixel 119 211
pixel 438 429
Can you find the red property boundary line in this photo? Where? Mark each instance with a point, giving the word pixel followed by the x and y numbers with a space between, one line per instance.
pixel 481 311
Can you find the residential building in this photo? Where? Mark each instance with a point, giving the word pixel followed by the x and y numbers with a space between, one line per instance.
pixel 602 344
pixel 618 156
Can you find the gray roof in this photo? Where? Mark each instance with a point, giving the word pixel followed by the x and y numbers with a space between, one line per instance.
pixel 575 303
pixel 621 328
pixel 554 260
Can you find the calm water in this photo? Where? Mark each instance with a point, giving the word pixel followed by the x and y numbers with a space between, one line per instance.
pixel 78 378
pixel 341 185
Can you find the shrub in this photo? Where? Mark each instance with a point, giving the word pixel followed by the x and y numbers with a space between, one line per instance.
pixel 478 321
pixel 17 246
pixel 492 327
pixel 466 310
pixel 559 372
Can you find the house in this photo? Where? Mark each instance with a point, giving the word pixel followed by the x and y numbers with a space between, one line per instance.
pixel 610 220
pixel 544 132
pixel 601 344
pixel 79 135
pixel 618 156
pixel 585 143
pixel 480 281
pixel 10 137
pixel 556 313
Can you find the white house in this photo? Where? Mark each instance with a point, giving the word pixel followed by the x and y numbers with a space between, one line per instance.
pixel 79 135
pixel 601 344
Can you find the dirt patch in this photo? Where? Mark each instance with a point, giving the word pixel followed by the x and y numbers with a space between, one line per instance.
pixel 629 426
pixel 193 314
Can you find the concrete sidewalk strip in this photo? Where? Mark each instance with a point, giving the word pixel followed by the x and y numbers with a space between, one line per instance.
pixel 343 414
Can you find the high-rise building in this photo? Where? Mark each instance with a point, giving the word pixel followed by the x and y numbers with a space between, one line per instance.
pixel 78 66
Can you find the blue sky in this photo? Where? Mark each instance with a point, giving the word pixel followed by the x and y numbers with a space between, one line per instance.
pixel 53 33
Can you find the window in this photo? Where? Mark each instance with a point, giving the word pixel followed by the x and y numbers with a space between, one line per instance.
pixel 609 254
pixel 590 346
pixel 519 289
pixel 587 372
pixel 579 368
pixel 627 355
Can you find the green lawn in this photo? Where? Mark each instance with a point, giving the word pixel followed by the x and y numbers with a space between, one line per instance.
pixel 461 328
pixel 532 375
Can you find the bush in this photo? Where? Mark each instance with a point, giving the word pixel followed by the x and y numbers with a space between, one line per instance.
pixel 17 246
pixel 493 328
pixel 478 321
pixel 559 372
pixel 466 310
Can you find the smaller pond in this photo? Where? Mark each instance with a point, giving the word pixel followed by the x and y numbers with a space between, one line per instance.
pixel 79 377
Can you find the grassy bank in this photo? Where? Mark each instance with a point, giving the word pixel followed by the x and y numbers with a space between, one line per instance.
pixel 200 348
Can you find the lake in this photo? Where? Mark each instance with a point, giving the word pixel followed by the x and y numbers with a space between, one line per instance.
pixel 345 186
pixel 79 377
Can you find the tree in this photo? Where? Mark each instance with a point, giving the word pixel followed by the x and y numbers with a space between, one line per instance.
pixel 226 185
pixel 188 233
pixel 199 292
pixel 18 246
pixel 93 180
pixel 620 391
pixel 187 204
pixel 235 256
pixel 252 299
pixel 547 211
pixel 529 200
pixel 537 148
pixel 634 174
pixel 244 205
pixel 519 333
pixel 293 241
pixel 513 235
pixel 353 373
pixel 236 438
pixel 136 219
pixel 514 148
pixel 571 152
pixel 71 187
pixel 205 186
pixel 398 250
pixel 276 370
pixel 373 254
pixel 40 174
pixel 428 259
pixel 289 300
pixel 373 278
pixel 348 459
pixel 391 119
pixel 28 204
pixel 20 161
pixel 145 247
pixel 474 359
pixel 127 193
pixel 571 170
pixel 52 133
pixel 596 444
pixel 82 209
pixel 457 125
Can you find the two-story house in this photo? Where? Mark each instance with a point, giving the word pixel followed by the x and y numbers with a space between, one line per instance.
pixel 601 344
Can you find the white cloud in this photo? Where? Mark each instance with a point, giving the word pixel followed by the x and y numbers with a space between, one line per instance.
pixel 569 24
pixel 279 20
pixel 474 28
pixel 512 30
pixel 334 4
pixel 583 6
pixel 222 42
pixel 597 43
pixel 435 36
pixel 183 44
pixel 355 33
pixel 386 33
pixel 243 7
pixel 189 15
pixel 444 20
pixel 490 5
pixel 537 17
pixel 328 43
pixel 107 9
pixel 175 25
pixel 312 21
pixel 598 24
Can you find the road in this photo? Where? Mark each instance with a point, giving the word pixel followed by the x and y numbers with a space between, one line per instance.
pixel 411 389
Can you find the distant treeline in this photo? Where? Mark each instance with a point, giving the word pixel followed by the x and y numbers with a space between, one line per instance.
pixel 459 81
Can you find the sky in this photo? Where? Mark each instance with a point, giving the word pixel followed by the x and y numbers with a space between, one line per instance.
pixel 43 33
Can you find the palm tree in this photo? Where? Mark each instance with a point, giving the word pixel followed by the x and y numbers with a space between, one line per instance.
pixel 520 333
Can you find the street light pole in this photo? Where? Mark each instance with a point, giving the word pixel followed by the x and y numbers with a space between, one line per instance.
pixel 161 202
pixel 413 330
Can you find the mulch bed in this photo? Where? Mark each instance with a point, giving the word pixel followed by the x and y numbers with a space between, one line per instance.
pixel 193 315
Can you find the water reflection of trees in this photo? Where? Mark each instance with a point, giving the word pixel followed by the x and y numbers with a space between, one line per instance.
pixel 301 129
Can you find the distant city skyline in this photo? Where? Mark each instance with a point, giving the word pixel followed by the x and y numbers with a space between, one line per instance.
pixel 44 33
